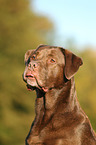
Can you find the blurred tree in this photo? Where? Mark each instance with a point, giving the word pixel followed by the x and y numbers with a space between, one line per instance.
pixel 86 84
pixel 20 29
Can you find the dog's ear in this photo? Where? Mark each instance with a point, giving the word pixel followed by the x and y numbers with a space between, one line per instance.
pixel 27 54
pixel 72 63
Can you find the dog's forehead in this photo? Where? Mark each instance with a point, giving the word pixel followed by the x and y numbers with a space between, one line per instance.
pixel 51 51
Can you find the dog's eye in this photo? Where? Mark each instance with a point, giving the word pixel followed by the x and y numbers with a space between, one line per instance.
pixel 33 57
pixel 52 60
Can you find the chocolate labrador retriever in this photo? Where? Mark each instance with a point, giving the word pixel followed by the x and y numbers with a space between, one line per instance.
pixel 59 118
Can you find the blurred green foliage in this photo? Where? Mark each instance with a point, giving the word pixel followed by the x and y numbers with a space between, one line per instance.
pixel 21 29
pixel 86 84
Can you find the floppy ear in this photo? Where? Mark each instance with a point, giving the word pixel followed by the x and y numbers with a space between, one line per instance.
pixel 27 54
pixel 72 63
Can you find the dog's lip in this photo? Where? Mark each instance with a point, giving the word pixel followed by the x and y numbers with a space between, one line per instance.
pixel 45 89
pixel 30 75
pixel 30 88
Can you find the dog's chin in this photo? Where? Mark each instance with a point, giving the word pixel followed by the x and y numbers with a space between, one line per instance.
pixel 31 85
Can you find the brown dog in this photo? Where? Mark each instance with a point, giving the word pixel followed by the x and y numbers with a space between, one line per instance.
pixel 59 118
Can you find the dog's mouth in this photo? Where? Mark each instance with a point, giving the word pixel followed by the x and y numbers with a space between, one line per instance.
pixel 30 76
pixel 30 88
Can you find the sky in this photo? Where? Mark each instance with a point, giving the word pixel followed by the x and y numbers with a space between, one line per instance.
pixel 73 19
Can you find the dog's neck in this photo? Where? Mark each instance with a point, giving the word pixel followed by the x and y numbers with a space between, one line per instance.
pixel 65 98
pixel 55 101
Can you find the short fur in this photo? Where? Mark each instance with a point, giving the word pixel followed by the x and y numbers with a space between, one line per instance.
pixel 59 118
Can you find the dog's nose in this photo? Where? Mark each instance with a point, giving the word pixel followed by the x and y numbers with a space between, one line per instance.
pixel 32 65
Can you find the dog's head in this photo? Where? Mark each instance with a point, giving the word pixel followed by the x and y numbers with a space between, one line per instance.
pixel 48 66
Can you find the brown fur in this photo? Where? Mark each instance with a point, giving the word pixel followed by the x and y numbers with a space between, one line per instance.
pixel 59 118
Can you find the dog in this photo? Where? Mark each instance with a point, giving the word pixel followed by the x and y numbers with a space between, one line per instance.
pixel 59 118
